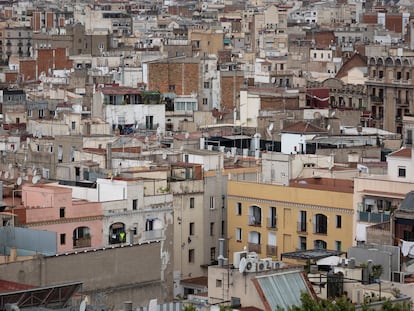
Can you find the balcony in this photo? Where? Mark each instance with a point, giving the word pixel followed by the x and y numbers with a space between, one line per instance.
pixel 301 227
pixel 373 217
pixel 271 250
pixel 254 247
pixel 376 99
pixel 82 242
pixel 254 222
pixel 271 223
pixel 152 235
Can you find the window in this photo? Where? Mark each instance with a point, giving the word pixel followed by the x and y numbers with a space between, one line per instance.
pixel 41 113
pixel 212 203
pixel 321 224
pixel 238 208
pixel 73 125
pixel 238 234
pixel 171 87
pixel 302 243
pixel 302 221
pixel 218 283
pixel 401 172
pixel 191 202
pixel 205 101
pixel 29 113
pixel 272 217
pixel 191 229
pixel 149 224
pixel 62 212
pixel 134 204
pixel 206 68
pixel 338 246
pixel 212 254
pixel 223 228
pixel 191 255
pixel 211 228
pixel 62 239
pixel 338 221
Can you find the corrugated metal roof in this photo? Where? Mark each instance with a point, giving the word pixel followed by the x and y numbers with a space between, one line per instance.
pixel 283 289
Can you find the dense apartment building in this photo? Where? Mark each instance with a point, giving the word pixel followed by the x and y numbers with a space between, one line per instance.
pixel 273 219
pixel 390 91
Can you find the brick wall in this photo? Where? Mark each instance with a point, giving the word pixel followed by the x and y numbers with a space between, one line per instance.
pixel 183 76
pixel 230 91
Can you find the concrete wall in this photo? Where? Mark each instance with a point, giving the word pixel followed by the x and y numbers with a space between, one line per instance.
pixel 130 273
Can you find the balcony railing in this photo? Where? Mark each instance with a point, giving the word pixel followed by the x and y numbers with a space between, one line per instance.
pixel 377 99
pixel 152 234
pixel 253 221
pixel 271 222
pixel 373 217
pixel 82 242
pixel 254 247
pixel 271 250
pixel 301 227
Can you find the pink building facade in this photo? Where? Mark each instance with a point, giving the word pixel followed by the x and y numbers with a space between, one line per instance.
pixel 77 223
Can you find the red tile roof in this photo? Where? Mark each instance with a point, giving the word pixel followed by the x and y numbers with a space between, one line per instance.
pixel 403 153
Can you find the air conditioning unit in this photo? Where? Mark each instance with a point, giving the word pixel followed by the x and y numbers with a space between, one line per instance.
pixel 253 256
pixel 277 265
pixel 251 265
pixel 267 263
pixel 398 276
pixel 262 266
pixel 236 258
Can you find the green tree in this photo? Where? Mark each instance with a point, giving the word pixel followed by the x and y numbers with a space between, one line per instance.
pixel 189 307
pixel 341 304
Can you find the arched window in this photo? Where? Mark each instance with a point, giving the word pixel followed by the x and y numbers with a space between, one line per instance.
pixel 319 244
pixel 117 233
pixel 81 237
pixel 255 215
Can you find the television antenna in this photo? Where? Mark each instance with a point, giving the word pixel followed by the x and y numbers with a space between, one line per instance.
pixel 242 265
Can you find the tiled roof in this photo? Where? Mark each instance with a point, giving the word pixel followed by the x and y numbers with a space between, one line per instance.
pixel 404 153
pixel 7 286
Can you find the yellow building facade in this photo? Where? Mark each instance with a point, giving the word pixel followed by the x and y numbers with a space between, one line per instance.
pixel 273 219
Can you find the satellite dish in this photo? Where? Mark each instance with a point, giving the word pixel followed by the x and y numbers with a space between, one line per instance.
pixel 82 306
pixel 187 135
pixel 146 139
pixel 35 179
pixel 228 154
pixel 34 172
pixel 6 175
pixel 1 173
pixel 242 265
pixel 10 166
pixel 328 127
pixel 236 158
pixel 164 156
pixel 19 181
